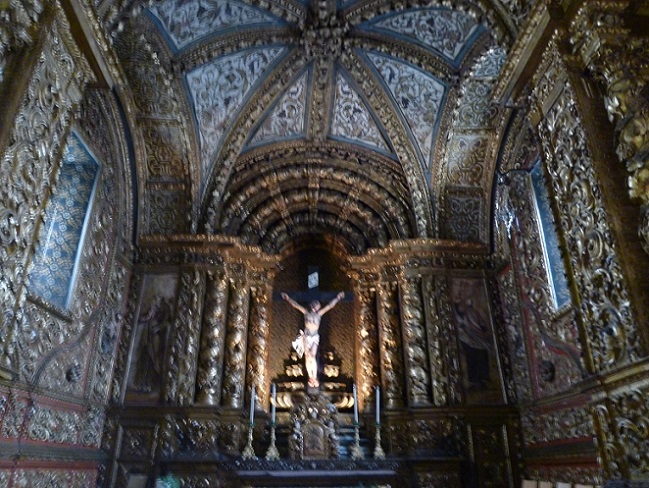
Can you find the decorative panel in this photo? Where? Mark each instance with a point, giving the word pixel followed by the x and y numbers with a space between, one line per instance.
pixel 185 22
pixel 352 120
pixel 419 97
pixel 467 159
pixel 167 211
pixel 218 90
pixel 54 262
pixel 446 32
pixel 288 118
pixel 464 209
pixel 476 110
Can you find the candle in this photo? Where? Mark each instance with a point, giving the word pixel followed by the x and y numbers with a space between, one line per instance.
pixel 378 406
pixel 355 405
pixel 252 404
pixel 272 403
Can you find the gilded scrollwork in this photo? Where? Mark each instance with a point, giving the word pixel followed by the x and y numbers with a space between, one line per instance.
pixel 619 59
pixel 624 421
pixel 612 336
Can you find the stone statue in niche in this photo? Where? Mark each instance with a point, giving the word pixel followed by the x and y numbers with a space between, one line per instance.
pixel 308 340
pixel 149 358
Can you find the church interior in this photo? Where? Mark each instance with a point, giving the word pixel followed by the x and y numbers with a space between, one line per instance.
pixel 461 185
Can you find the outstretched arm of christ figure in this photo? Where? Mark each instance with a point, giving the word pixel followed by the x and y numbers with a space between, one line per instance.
pixel 331 304
pixel 293 303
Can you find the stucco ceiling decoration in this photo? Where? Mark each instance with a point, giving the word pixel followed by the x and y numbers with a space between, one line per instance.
pixel 260 76
pixel 287 118
pixel 352 120
pixel 186 22
pixel 219 89
pixel 446 32
pixel 419 97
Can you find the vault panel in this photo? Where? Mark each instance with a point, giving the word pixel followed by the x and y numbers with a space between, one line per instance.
pixel 219 89
pixel 419 97
pixel 287 118
pixel 445 32
pixel 184 22
pixel 352 120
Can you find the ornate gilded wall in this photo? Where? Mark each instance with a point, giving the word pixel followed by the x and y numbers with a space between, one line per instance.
pixel 58 355
pixel 578 367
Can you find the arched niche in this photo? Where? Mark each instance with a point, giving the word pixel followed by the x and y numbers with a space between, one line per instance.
pixel 313 254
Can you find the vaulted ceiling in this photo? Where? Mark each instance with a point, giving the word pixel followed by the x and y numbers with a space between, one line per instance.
pixel 364 121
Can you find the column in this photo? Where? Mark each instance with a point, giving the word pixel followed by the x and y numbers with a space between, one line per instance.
pixel 183 348
pixel 235 340
pixel 390 341
pixel 367 361
pixel 210 367
pixel 258 331
pixel 415 343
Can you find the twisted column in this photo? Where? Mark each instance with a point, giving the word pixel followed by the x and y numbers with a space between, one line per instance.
pixel 235 341
pixel 258 332
pixel 390 344
pixel 367 363
pixel 414 336
pixel 210 368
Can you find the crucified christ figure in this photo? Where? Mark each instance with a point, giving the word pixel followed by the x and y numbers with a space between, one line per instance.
pixel 309 339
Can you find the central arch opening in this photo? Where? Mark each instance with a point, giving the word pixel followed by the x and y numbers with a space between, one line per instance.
pixel 313 270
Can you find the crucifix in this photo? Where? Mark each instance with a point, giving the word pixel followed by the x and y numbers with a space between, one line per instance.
pixel 308 340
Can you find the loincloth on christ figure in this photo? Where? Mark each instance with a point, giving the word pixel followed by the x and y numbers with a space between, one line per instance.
pixel 305 342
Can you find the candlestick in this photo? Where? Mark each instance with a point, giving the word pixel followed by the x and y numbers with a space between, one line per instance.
pixel 252 404
pixel 355 404
pixel 273 402
pixel 248 451
pixel 378 406
pixel 272 454
pixel 378 450
pixel 357 452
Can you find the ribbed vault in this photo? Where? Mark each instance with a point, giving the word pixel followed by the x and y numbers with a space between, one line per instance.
pixel 273 120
